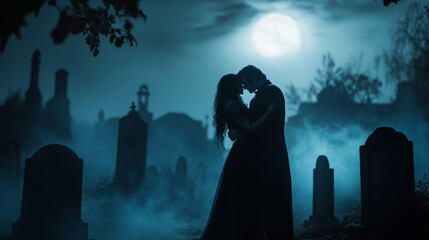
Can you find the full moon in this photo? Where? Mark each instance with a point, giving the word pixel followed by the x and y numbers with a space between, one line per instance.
pixel 276 35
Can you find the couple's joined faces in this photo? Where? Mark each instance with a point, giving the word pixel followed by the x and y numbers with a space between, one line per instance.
pixel 240 89
pixel 250 86
pixel 244 83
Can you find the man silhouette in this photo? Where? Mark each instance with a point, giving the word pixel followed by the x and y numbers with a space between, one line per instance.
pixel 273 181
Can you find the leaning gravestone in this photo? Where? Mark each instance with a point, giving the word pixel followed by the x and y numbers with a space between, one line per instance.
pixel 323 192
pixel 387 181
pixel 52 195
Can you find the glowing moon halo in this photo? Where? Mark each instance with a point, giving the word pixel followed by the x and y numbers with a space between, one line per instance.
pixel 275 35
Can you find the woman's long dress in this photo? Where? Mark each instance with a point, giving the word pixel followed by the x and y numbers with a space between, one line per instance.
pixel 234 213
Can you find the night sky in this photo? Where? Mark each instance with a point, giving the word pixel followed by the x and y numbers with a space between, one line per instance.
pixel 186 46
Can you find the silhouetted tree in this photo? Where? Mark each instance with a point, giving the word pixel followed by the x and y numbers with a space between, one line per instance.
pixel 358 86
pixel 387 2
pixel 347 82
pixel 77 17
pixel 408 57
pixel 293 97
pixel 328 75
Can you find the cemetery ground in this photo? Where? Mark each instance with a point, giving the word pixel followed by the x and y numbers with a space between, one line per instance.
pixel 348 226
pixel 55 206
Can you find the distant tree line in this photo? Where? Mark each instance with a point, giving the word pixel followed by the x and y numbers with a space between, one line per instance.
pixel 406 59
pixel 348 83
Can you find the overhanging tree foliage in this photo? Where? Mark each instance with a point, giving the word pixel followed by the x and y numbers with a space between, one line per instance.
pixel 77 17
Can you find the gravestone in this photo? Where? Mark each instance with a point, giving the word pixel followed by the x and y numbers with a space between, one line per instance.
pixel 132 152
pixel 181 171
pixel 152 176
pixel 387 181
pixel 166 180
pixel 10 161
pixel 323 192
pixel 10 168
pixel 200 179
pixel 52 195
pixel 201 174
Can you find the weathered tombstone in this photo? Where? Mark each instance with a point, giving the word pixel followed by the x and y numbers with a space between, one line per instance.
pixel 166 180
pixel 181 171
pixel 323 192
pixel 10 168
pixel 52 195
pixel 10 161
pixel 200 184
pixel 131 153
pixel 152 176
pixel 387 181
pixel 201 174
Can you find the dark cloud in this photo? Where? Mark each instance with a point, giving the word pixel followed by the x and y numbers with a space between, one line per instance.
pixel 228 16
pixel 337 10
pixel 177 23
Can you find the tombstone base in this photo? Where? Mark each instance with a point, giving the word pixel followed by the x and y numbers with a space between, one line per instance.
pixel 321 221
pixel 415 232
pixel 356 232
pixel 74 229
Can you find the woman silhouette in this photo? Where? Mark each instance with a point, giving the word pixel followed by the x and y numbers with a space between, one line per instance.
pixel 234 214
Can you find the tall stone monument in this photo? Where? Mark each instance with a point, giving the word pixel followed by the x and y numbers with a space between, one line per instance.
pixel 132 152
pixel 387 181
pixel 58 108
pixel 31 123
pixel 52 195
pixel 323 192
pixel 181 172
pixel 33 97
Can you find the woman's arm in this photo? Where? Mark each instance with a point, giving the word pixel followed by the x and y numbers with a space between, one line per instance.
pixel 244 122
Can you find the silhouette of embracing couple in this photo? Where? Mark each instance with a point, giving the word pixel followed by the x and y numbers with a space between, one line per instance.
pixel 254 198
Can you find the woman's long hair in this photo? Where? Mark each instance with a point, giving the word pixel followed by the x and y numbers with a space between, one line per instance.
pixel 228 88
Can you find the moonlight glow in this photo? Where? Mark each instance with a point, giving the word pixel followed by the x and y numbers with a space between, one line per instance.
pixel 276 35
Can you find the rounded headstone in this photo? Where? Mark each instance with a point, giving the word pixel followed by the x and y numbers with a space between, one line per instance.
pixel 52 195
pixel 387 180
pixel 322 162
